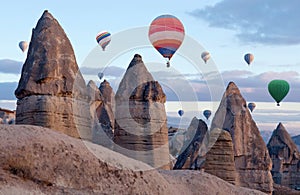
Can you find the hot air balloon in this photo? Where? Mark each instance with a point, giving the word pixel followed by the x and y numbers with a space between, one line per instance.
pixel 180 112
pixel 278 89
pixel 23 46
pixel 249 58
pixel 207 114
pixel 100 75
pixel 166 34
pixel 103 39
pixel 251 106
pixel 205 56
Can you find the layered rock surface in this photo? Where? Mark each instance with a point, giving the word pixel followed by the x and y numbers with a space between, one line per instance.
pixel 7 116
pixel 42 161
pixel 100 108
pixel 51 91
pixel 105 111
pixel 141 129
pixel 194 148
pixel 285 157
pixel 220 156
pixel 296 140
pixel 252 160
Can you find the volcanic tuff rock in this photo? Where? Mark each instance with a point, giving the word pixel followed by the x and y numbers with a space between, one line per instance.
pixel 42 161
pixel 51 91
pixel 220 156
pixel 296 140
pixel 100 135
pixel 285 157
pixel 102 116
pixel 141 130
pixel 105 112
pixel 252 160
pixel 194 147
pixel 7 116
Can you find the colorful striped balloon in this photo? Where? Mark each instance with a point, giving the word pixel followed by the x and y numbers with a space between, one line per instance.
pixel 166 34
pixel 103 39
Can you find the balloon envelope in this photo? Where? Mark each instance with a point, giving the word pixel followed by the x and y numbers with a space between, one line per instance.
pixel 205 56
pixel 207 113
pixel 180 112
pixel 103 39
pixel 166 34
pixel 251 106
pixel 278 89
pixel 100 75
pixel 23 45
pixel 249 58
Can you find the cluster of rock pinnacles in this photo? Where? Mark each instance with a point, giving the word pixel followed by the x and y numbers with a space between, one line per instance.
pixel 52 93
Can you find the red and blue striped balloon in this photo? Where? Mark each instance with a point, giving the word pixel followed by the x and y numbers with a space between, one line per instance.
pixel 166 34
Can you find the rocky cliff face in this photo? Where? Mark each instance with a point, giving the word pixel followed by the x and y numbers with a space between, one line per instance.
pixel 220 156
pixel 105 112
pixel 140 129
pixel 285 157
pixel 194 148
pixel 7 116
pixel 296 140
pixel 252 160
pixel 42 161
pixel 103 118
pixel 51 91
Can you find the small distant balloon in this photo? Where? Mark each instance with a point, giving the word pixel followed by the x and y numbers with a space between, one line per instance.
pixel 100 75
pixel 103 39
pixel 180 112
pixel 278 89
pixel 251 106
pixel 249 58
pixel 166 34
pixel 205 56
pixel 207 114
pixel 23 45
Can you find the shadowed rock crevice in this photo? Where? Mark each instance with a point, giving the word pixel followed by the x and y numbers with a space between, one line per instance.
pixel 194 149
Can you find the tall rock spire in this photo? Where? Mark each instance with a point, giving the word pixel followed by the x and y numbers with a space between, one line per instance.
pixel 285 157
pixel 51 82
pixel 50 67
pixel 141 129
pixel 252 160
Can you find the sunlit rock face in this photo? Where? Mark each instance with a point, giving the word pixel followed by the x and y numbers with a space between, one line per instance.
pixel 251 156
pixel 141 123
pixel 51 91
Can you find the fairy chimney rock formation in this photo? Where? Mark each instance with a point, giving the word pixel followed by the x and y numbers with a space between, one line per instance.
pixel 141 130
pixel 105 112
pixel 103 130
pixel 193 152
pixel 285 157
pixel 252 160
pixel 51 91
pixel 220 156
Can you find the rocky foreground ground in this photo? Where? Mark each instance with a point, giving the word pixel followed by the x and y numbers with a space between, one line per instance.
pixel 36 160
